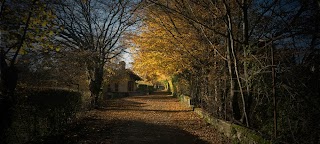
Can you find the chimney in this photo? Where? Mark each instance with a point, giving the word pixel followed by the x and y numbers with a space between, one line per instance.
pixel 122 65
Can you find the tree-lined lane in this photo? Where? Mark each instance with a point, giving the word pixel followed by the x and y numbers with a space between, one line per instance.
pixel 143 119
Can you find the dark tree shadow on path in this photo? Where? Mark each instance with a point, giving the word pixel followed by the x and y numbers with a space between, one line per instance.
pixel 93 131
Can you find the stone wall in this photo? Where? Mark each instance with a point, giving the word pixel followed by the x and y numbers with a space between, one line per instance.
pixel 237 133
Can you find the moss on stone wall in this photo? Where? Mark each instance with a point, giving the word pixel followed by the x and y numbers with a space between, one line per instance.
pixel 244 135
pixel 237 133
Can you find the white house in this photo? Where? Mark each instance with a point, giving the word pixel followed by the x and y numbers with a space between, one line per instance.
pixel 123 81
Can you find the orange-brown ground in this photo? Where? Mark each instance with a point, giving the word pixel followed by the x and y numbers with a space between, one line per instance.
pixel 153 119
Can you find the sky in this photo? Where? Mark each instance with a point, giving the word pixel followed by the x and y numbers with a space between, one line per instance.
pixel 128 59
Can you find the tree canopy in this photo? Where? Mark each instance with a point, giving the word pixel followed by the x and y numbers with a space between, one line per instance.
pixel 234 58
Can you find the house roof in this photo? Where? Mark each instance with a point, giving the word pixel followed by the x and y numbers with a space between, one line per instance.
pixel 133 75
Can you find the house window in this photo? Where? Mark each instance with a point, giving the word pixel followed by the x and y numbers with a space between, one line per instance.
pixel 116 87
pixel 130 85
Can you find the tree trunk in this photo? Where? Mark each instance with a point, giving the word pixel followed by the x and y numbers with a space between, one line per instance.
pixel 95 85
pixel 231 44
pixel 171 87
pixel 235 62
pixel 232 92
pixel 245 35
pixel 8 83
pixel 225 94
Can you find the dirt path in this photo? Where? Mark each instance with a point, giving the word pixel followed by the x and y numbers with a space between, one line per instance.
pixel 143 119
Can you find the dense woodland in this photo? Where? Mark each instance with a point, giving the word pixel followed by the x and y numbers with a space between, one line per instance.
pixel 255 63
pixel 250 62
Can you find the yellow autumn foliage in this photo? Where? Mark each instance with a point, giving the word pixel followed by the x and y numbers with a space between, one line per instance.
pixel 167 45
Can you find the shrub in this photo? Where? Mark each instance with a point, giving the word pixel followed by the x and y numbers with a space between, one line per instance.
pixel 43 112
